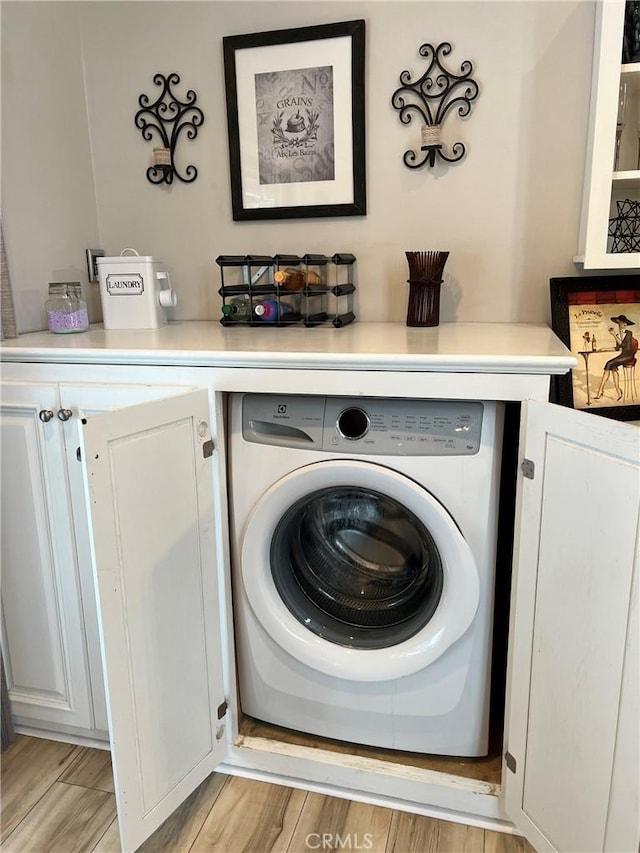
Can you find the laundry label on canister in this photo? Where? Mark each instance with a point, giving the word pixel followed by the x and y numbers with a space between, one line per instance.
pixel 125 285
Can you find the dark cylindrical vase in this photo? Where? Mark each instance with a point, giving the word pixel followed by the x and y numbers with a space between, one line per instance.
pixel 424 303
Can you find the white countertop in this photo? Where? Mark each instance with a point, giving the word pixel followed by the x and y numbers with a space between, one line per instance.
pixel 450 347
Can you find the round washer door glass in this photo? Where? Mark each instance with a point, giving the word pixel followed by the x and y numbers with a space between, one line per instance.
pixel 356 567
pixel 361 532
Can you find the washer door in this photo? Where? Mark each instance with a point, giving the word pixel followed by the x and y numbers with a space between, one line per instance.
pixel 357 571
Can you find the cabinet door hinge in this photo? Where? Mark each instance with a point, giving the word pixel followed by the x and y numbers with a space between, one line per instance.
pixel 528 468
pixel 222 709
pixel 510 762
pixel 207 449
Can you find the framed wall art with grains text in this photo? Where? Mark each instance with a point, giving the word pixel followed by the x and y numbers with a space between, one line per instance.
pixel 295 116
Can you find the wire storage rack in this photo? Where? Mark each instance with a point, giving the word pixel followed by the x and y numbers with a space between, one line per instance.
pixel 287 290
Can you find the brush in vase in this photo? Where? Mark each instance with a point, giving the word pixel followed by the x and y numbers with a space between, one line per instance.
pixel 425 278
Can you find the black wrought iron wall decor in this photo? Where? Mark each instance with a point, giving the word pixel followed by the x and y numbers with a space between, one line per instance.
pixel 432 97
pixel 168 117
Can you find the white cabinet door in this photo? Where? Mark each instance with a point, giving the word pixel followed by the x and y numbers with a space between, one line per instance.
pixel 572 712
pixel 82 399
pixel 43 632
pixel 150 489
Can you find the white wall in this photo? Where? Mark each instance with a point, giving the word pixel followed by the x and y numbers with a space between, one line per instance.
pixel 508 212
pixel 48 198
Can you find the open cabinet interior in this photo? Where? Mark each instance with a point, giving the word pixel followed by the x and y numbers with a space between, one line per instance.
pixel 486 770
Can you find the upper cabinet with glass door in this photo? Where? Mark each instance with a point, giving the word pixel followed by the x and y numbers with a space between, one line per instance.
pixel 610 227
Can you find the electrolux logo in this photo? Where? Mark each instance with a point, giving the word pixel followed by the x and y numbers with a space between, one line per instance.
pixel 125 285
pixel 338 841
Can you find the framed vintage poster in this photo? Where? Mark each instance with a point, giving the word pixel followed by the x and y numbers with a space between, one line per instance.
pixel 598 318
pixel 295 115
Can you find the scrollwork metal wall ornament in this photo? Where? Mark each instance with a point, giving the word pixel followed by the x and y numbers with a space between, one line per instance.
pixel 168 117
pixel 432 97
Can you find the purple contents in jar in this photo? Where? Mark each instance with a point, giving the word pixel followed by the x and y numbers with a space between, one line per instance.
pixel 64 322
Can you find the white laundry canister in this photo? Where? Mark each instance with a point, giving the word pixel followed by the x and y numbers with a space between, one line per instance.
pixel 135 291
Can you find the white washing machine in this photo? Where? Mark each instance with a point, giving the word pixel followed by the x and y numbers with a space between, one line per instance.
pixel 364 539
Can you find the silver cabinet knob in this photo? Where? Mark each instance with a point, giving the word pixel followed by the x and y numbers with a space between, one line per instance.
pixel 45 415
pixel 64 414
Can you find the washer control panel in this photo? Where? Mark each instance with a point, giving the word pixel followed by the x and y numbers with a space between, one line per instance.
pixel 364 425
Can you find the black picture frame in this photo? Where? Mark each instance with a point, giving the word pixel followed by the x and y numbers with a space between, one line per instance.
pixel 263 70
pixel 581 305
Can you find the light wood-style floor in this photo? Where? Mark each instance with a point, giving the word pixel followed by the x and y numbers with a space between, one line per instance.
pixel 58 798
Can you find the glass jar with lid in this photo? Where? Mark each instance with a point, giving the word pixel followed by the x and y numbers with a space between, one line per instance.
pixel 66 309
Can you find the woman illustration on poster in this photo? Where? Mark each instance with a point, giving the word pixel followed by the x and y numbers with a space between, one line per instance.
pixel 623 338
